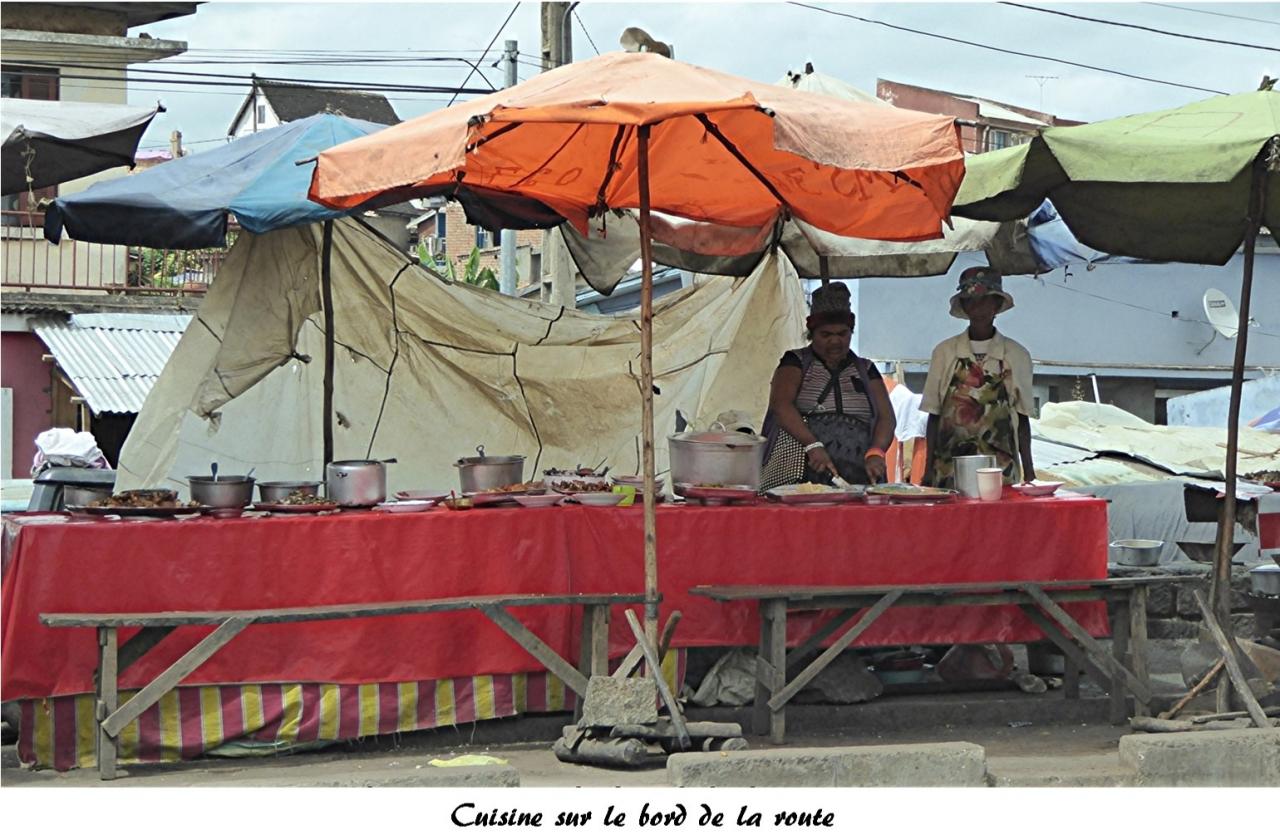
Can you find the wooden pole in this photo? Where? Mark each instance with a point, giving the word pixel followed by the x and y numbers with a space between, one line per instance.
pixel 824 270
pixel 326 292
pixel 1221 586
pixel 646 399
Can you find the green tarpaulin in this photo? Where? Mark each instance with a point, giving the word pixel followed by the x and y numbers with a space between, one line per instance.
pixel 1172 185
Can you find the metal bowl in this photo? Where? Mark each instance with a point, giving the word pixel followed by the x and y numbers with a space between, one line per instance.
pixel 1137 552
pixel 273 492
pixel 224 491
pixel 1265 580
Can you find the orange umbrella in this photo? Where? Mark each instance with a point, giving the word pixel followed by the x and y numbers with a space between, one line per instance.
pixel 638 130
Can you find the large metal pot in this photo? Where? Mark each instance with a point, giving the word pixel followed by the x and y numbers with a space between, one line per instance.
pixel 272 492
pixel 967 467
pixel 1265 580
pixel 716 457
pixel 223 491
pixel 1137 552
pixel 357 483
pixel 73 495
pixel 486 472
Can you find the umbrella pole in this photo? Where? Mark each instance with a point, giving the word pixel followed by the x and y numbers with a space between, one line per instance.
pixel 646 399
pixel 326 292
pixel 1221 587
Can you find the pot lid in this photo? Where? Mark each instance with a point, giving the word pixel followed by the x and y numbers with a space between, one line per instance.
pixel 713 437
pixel 490 459
pixel 1265 569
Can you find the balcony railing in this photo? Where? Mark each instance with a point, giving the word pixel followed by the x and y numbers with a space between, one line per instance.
pixel 29 262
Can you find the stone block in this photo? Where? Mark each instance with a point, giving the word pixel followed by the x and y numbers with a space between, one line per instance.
pixel 1187 607
pixel 845 681
pixel 1172 628
pixel 609 702
pixel 1161 601
pixel 935 764
pixel 1204 758
pixel 1242 624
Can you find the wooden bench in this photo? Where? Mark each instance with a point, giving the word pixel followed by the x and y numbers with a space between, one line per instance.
pixel 113 659
pixel 1039 601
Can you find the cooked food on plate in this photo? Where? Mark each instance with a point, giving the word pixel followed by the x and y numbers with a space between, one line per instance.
pixel 144 498
pixel 300 497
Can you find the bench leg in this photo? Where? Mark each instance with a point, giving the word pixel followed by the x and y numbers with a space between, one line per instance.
pixel 767 670
pixel 778 660
pixel 594 653
pixel 1138 644
pixel 1070 678
pixel 107 701
pixel 1119 647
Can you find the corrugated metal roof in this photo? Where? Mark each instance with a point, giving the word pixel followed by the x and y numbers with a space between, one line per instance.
pixel 113 360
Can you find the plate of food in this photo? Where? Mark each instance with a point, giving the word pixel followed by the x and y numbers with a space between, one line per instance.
pixel 810 493
pixel 540 500
pixel 912 493
pixel 716 492
pixel 405 506
pixel 298 501
pixel 579 484
pixel 598 499
pixel 421 495
pixel 158 503
pixel 1038 488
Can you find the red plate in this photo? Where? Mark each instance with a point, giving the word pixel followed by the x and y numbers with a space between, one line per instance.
pixel 276 507
pixel 154 512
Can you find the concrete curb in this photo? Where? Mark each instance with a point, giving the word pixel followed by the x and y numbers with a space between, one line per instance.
pixel 934 764
pixel 1204 758
pixel 482 776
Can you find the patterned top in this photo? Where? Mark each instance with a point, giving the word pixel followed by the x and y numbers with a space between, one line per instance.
pixel 848 398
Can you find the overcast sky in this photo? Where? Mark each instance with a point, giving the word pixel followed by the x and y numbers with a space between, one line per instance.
pixel 757 40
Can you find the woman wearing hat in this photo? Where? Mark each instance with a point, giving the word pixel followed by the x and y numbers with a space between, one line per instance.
pixel 978 392
pixel 829 413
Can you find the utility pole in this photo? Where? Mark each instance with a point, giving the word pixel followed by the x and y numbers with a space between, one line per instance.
pixel 557 264
pixel 1042 80
pixel 507 263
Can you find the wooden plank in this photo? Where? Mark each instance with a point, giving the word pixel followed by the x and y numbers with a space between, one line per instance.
pixel 141 643
pixel 1075 655
pixel 915 599
pixel 838 646
pixel 1204 682
pixel 729 593
pixel 1138 643
pixel 629 662
pixel 108 701
pixel 1236 674
pixel 1070 678
pixel 1119 648
pixel 655 668
pixel 828 629
pixel 536 647
pixel 596 618
pixel 1091 647
pixel 336 612
pixel 170 678
pixel 668 634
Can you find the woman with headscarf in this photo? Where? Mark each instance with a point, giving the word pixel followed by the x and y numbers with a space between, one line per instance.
pixel 978 392
pixel 829 412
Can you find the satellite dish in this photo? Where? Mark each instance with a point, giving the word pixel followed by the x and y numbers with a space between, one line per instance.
pixel 1221 312
pixel 635 39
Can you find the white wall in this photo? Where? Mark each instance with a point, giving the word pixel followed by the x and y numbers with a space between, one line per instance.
pixel 1210 408
pixel 246 125
pixel 6 430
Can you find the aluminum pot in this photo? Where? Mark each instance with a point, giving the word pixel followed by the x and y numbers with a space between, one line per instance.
pixel 967 467
pixel 716 457
pixel 277 491
pixel 1137 552
pixel 486 472
pixel 357 483
pixel 223 491
pixel 1266 580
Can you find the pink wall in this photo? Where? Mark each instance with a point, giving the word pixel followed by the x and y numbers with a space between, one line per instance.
pixel 22 371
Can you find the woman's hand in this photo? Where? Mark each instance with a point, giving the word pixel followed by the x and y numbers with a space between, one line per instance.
pixel 820 461
pixel 875 467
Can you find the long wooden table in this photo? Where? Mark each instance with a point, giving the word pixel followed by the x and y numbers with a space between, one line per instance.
pixel 1123 671
pixel 114 658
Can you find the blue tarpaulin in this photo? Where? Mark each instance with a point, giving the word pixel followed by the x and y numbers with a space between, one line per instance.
pixel 183 204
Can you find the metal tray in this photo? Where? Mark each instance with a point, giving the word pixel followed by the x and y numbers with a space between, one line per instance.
pixel 151 512
pixel 276 507
pixel 736 492
pixel 784 496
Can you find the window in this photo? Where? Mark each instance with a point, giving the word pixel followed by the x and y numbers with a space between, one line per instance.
pixel 262 113
pixel 484 238
pixel 440 225
pixel 17 82
pixel 997 139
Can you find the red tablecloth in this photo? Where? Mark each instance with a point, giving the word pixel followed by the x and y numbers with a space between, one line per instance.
pixel 102 566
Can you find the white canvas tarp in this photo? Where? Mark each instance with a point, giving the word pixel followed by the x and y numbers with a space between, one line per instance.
pixel 427 370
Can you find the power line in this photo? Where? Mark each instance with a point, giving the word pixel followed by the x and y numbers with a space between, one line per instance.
pixel 485 54
pixel 1215 14
pixel 1008 51
pixel 584 31
pixel 1142 28
pixel 1161 313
